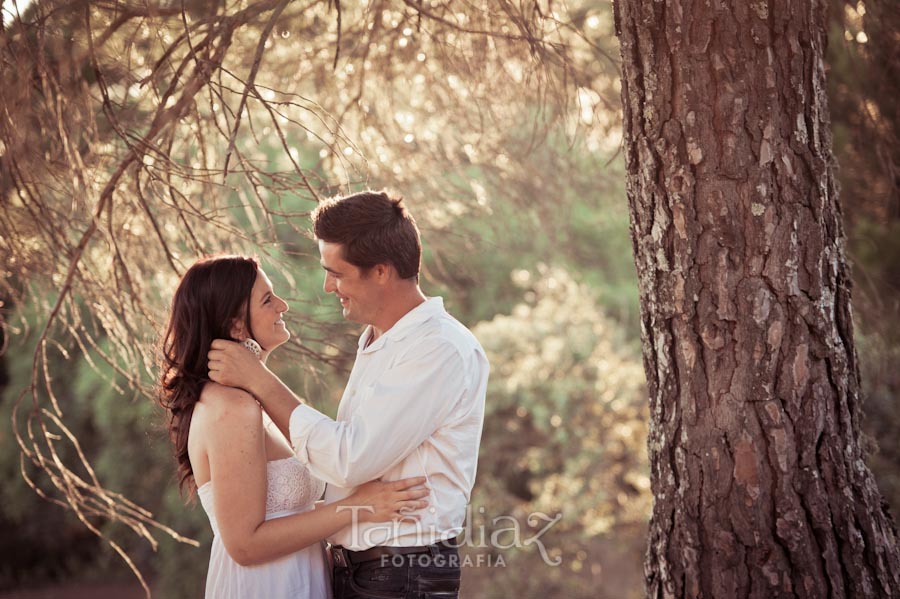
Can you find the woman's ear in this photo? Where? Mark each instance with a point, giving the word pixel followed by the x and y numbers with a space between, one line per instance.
pixel 238 330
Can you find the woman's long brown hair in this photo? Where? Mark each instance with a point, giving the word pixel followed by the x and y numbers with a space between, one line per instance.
pixel 212 295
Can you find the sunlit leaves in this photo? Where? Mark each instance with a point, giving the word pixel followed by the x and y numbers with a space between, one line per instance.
pixel 566 418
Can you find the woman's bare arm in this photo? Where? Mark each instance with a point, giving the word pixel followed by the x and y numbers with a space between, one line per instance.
pixel 237 459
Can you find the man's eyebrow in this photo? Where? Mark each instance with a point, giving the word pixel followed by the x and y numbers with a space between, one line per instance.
pixel 331 270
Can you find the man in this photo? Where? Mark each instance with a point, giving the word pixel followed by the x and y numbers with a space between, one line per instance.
pixel 414 404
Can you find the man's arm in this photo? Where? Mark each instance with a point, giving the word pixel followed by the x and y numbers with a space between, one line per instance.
pixel 403 408
pixel 231 364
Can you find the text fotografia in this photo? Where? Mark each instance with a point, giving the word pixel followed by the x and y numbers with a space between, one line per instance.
pixel 454 560
pixel 505 532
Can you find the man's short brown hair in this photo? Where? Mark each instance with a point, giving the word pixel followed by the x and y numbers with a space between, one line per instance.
pixel 374 228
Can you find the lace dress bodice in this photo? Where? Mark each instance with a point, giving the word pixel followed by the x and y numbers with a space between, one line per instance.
pixel 290 487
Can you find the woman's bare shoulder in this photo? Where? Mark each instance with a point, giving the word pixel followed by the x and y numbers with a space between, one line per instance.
pixel 228 403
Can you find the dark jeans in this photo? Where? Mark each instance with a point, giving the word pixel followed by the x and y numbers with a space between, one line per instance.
pixel 431 575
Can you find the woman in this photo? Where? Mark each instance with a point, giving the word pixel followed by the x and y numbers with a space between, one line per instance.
pixel 259 499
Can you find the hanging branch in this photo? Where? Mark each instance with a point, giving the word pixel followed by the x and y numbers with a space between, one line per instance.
pixel 248 85
pixel 114 173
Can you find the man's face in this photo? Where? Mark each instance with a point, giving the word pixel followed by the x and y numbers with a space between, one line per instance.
pixel 357 292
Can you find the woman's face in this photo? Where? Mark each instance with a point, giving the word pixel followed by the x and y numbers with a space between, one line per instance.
pixel 266 310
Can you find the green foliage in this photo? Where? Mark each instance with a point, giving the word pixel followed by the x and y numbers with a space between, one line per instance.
pixel 122 435
pixel 565 431
pixel 590 378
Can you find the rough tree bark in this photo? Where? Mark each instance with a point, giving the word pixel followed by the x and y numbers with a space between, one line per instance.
pixel 757 471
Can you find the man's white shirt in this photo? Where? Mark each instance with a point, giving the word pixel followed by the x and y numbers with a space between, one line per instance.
pixel 414 406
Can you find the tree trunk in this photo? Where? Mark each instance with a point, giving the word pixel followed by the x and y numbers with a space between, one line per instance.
pixel 757 468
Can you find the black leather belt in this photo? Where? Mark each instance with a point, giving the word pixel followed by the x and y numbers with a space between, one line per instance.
pixel 344 557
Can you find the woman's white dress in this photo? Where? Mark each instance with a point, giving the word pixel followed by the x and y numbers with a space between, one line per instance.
pixel 302 575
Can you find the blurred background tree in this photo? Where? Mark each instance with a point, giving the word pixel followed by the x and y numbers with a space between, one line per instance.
pixel 137 136
pixel 863 85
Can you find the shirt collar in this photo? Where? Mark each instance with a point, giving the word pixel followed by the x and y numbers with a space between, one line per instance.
pixel 423 312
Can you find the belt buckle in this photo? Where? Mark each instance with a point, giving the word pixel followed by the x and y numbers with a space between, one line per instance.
pixel 340 557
